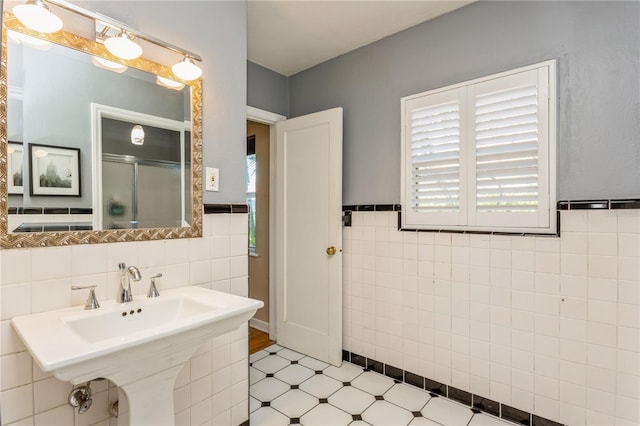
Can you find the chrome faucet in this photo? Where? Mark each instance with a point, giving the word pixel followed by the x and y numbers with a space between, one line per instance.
pixel 126 275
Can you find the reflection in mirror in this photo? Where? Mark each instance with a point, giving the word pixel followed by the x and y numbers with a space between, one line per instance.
pixel 74 100
pixel 145 169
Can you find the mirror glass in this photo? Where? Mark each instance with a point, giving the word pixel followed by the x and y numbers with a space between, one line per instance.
pixel 93 148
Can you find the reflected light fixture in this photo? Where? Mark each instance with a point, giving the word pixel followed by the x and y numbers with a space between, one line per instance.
pixel 186 69
pixel 35 15
pixel 137 135
pixel 26 40
pixel 168 83
pixel 108 65
pixel 123 46
pixel 40 153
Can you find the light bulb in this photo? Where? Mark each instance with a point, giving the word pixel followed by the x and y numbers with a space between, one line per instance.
pixel 137 135
pixel 123 47
pixel 40 153
pixel 35 15
pixel 186 69
pixel 170 84
pixel 108 65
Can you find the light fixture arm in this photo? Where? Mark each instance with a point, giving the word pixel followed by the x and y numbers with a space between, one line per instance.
pixel 122 27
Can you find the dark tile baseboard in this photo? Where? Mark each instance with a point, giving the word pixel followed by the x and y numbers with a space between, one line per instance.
pixel 476 403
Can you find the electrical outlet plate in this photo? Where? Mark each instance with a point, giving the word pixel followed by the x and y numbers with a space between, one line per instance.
pixel 212 175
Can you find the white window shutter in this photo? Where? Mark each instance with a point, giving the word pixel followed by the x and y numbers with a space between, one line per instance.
pixel 480 155
pixel 508 158
pixel 433 152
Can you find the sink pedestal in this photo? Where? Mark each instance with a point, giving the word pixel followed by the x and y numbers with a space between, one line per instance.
pixel 151 399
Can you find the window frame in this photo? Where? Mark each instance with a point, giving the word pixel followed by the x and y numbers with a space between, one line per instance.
pixel 468 218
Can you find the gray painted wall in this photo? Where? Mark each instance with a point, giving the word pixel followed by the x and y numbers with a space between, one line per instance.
pixel 217 31
pixel 597 45
pixel 267 89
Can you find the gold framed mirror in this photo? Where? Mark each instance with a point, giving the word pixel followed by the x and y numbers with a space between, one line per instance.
pixel 189 185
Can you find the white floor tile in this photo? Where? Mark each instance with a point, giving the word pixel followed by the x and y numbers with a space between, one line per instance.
pixel 325 415
pixel 482 419
pixel 273 348
pixel 258 356
pixel 321 386
pixel 254 404
pixel 290 355
pixel 268 389
pixel 351 400
pixel 383 413
pixel 423 421
pixel 294 403
pixel 407 396
pixel 345 373
pixel 447 412
pixel 255 375
pixel 294 374
pixel 313 363
pixel 345 403
pixel 374 383
pixel 267 416
pixel 271 364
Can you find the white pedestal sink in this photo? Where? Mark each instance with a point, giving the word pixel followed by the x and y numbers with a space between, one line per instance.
pixel 140 346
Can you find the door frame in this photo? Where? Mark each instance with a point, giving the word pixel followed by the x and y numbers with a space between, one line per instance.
pixel 100 111
pixel 270 118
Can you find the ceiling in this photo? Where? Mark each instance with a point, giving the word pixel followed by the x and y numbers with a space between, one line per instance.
pixel 291 36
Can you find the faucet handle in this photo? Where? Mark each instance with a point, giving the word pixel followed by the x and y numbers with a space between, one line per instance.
pixel 92 301
pixel 153 291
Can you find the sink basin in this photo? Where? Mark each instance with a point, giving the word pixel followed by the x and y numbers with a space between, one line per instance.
pixel 156 316
pixel 140 346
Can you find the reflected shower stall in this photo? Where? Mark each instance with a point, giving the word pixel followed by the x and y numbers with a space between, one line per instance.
pixel 144 185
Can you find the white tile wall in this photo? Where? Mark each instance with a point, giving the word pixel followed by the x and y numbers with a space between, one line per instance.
pixel 548 325
pixel 212 389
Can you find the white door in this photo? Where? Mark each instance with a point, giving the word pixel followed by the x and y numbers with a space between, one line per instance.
pixel 309 234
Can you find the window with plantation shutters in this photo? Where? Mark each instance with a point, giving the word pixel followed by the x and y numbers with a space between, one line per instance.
pixel 481 155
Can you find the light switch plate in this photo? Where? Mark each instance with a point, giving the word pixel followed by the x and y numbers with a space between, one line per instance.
pixel 212 182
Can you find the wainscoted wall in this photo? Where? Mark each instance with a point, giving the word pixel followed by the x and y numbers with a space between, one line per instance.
pixel 211 389
pixel 547 325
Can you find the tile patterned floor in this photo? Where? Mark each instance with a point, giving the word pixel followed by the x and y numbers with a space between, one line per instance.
pixel 288 388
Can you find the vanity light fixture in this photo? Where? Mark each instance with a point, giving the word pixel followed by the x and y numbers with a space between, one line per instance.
pixel 108 65
pixel 117 36
pixel 40 153
pixel 35 15
pixel 137 135
pixel 123 46
pixel 168 83
pixel 186 69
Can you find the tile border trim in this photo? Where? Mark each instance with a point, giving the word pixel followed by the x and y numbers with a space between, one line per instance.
pixel 225 208
pixel 600 204
pixel 611 204
pixel 49 210
pixel 437 389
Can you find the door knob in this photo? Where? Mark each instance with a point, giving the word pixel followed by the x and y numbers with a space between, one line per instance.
pixel 331 251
